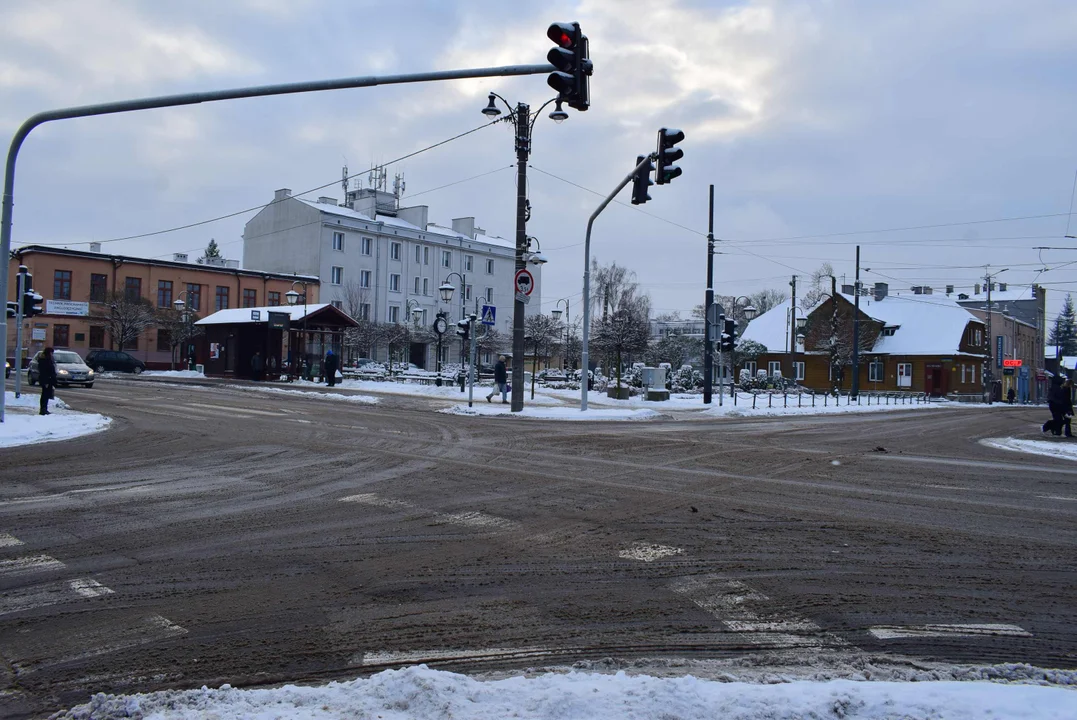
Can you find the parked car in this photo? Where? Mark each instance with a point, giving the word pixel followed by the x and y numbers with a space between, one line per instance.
pixel 70 369
pixel 106 360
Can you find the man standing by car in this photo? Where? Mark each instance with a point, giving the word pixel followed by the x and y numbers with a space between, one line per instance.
pixel 46 374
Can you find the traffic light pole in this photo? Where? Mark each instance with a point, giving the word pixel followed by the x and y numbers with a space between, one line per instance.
pixel 587 278
pixel 195 99
pixel 523 150
pixel 18 333
pixel 708 303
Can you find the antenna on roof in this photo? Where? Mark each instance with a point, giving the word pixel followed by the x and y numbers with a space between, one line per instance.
pixel 344 181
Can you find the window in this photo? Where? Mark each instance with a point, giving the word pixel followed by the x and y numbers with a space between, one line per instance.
pixel 394 250
pixel 489 297
pixel 394 282
pixel 61 285
pixel 337 304
pixel 750 367
pixel 364 278
pixel 889 331
pixel 972 372
pixel 467 292
pixel 250 297
pixel 799 368
pixel 61 335
pixel 469 263
pixel 489 267
pixel 222 297
pixel 774 367
pixel 131 344
pixel 164 293
pixel 486 357
pixel 336 275
pixel 164 340
pixel 274 298
pixel 97 336
pixel 394 313
pixel 194 297
pixel 364 311
pixel 446 259
pixel 418 254
pixel 426 256
pixel 98 287
pixel 132 289
pixel 904 374
pixel 426 286
pixel 875 371
pixel 338 241
pixel 418 284
pixel 367 244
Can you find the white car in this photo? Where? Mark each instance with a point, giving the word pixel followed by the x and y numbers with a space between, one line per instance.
pixel 70 369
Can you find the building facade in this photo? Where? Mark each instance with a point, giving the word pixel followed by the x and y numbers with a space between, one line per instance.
pixel 380 262
pixel 76 285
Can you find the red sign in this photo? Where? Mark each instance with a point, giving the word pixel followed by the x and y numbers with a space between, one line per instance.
pixel 525 282
pixel 1011 363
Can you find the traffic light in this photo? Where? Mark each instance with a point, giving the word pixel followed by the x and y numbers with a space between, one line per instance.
pixel 729 335
pixel 12 309
pixel 463 328
pixel 572 77
pixel 31 304
pixel 667 155
pixel 642 181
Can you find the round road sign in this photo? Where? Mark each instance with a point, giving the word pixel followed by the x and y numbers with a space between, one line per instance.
pixel 525 282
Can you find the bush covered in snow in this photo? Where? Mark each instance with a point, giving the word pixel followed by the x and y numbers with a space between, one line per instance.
pixel 685 380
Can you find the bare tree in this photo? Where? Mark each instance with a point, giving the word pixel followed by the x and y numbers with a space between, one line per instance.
pixel 540 333
pixel 818 286
pixel 608 282
pixel 766 299
pixel 491 341
pixel 124 316
pixel 830 329
pixel 676 349
pixel 627 329
pixel 180 328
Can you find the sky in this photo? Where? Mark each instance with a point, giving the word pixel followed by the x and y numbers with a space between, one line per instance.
pixel 821 124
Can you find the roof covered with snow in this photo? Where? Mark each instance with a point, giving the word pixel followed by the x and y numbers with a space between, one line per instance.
pixel 234 316
pixel 770 329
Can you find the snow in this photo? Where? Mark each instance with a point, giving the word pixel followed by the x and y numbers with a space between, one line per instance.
pixel 1065 448
pixel 419 692
pixel 743 408
pixel 361 399
pixel 243 315
pixel 450 391
pixel 482 408
pixel 23 426
pixel 771 328
pixel 174 373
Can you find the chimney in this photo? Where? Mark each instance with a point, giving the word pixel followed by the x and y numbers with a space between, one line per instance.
pixel 847 289
pixel 179 257
pixel 464 226
pixel 949 289
pixel 881 289
pixel 977 289
pixel 95 247
pixel 282 194
pixel 917 289
pixel 1002 287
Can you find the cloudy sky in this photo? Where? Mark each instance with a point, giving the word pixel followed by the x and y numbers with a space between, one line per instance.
pixel 821 124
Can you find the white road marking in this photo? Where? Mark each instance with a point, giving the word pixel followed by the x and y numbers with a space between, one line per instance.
pixel 470 519
pixel 648 552
pixel 394 657
pixel 105 488
pixel 89 588
pixel 7 540
pixel 890 632
pixel 19 600
pixel 301 420
pixel 274 413
pixel 29 564
pixel 376 501
pixel 1057 497
pixel 108 640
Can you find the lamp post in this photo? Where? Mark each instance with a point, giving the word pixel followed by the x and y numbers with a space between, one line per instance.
pixel 412 307
pixel 523 121
pixel 293 299
pixel 749 312
pixel 799 324
pixel 186 314
pixel 556 313
pixel 446 290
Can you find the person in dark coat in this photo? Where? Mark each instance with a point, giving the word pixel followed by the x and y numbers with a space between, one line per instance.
pixel 1010 394
pixel 1057 404
pixel 1067 407
pixel 46 374
pixel 501 381
pixel 257 366
pixel 331 365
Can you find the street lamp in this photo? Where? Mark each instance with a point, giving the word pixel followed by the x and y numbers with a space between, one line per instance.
pixel 524 122
pixel 557 316
pixel 186 316
pixel 293 298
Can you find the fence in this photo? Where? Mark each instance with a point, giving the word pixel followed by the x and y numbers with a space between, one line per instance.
pixel 826 399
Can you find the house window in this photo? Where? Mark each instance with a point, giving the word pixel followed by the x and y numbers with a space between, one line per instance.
pixel 250 297
pixel 489 295
pixel 486 358
pixel 164 293
pixel 164 340
pixel 364 278
pixel 469 263
pixel 98 287
pixel 364 311
pixel 426 256
pixel 274 298
pixel 97 336
pixel 336 275
pixel 61 335
pixel 337 304
pixel 418 254
pixel 489 267
pixel 467 292
pixel 194 297
pixel 875 371
pixel 394 313
pixel 394 250
pixel 367 244
pixel 338 241
pixel 132 289
pixel 426 286
pixel 889 331
pixel 418 285
pixel 222 298
pixel 446 259
pixel 972 373
pixel 750 367
pixel 799 368
pixel 904 375
pixel 394 282
pixel 774 367
pixel 61 285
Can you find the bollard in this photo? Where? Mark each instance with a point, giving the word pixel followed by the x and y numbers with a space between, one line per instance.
pixel 813 399
pixel 799 395
pixel 785 399
pixel 770 400
pixel 753 401
pixel 824 400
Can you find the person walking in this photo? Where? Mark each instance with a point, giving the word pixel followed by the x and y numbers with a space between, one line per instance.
pixel 330 365
pixel 1056 403
pixel 1010 395
pixel 1067 407
pixel 46 377
pixel 257 366
pixel 501 380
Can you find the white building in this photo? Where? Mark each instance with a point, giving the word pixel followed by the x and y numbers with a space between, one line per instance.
pixel 378 261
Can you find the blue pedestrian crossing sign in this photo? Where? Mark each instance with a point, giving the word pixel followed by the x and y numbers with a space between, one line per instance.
pixel 488 314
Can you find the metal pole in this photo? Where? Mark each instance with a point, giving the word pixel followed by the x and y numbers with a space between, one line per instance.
pixel 587 276
pixel 523 150
pixel 195 99
pixel 471 358
pixel 854 391
pixel 987 377
pixel 708 303
pixel 19 282
pixel 793 330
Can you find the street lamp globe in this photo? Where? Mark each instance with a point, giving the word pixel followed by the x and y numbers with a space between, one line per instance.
pixel 558 115
pixel 446 291
pixel 416 314
pixel 292 297
pixel 491 110
pixel 179 305
pixel 749 312
pixel 555 314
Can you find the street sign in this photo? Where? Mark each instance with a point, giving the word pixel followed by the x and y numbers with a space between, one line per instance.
pixel 1007 362
pixel 520 297
pixel 256 315
pixel 1000 347
pixel 1007 371
pixel 489 312
pixel 525 282
pixel 279 320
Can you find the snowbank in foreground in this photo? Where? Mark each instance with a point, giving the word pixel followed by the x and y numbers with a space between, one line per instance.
pixel 23 426
pixel 421 693
pixel 1056 447
pixel 173 373
pixel 482 408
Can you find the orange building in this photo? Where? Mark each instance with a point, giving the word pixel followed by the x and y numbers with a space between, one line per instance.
pixel 75 284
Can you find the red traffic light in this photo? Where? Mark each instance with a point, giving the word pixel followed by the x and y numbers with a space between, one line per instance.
pixel 563 34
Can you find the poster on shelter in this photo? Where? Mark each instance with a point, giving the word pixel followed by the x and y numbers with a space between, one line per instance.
pixel 214 351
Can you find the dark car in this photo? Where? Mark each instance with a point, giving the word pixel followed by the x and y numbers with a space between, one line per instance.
pixel 70 370
pixel 114 360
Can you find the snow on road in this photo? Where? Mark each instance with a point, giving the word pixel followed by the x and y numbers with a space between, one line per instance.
pixel 174 373
pixel 482 408
pixel 361 399
pixel 416 693
pixel 1056 447
pixel 23 426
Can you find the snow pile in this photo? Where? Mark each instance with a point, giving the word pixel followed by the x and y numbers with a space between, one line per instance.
pixel 174 373
pixel 483 408
pixel 1065 448
pixel 23 426
pixel 418 693
pixel 361 399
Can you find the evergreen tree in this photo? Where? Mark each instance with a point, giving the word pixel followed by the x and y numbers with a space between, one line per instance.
pixel 212 251
pixel 1064 333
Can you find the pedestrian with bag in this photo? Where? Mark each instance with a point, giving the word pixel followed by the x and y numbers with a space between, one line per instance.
pixel 46 374
pixel 1056 403
pixel 330 366
pixel 501 381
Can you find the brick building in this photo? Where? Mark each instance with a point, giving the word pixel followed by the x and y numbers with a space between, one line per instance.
pixel 75 284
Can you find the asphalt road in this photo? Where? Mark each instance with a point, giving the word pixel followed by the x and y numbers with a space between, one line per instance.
pixel 218 535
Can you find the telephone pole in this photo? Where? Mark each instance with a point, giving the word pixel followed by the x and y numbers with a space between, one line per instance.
pixel 708 303
pixel 988 376
pixel 855 391
pixel 793 329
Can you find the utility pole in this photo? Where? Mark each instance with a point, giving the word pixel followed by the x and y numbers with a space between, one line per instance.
pixel 833 322
pixel 708 303
pixel 793 329
pixel 987 377
pixel 855 391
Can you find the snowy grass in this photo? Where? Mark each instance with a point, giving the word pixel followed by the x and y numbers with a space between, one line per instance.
pixel 484 409
pixel 340 397
pixel 416 693
pixel 23 426
pixel 1065 448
